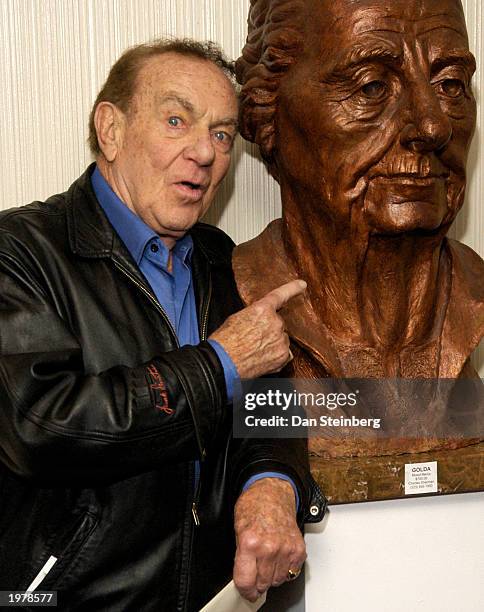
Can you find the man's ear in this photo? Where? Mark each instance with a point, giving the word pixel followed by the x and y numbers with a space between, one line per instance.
pixel 109 124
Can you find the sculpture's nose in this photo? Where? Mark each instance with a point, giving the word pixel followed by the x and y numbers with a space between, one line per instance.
pixel 428 128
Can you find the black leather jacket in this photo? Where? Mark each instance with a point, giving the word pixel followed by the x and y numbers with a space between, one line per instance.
pixel 102 416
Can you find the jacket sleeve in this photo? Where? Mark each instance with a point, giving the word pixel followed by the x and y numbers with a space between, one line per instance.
pixel 61 424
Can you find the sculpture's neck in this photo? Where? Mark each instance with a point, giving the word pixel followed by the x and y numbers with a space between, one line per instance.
pixel 381 291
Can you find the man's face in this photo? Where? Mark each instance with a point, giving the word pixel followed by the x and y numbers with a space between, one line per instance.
pixel 176 142
pixel 376 117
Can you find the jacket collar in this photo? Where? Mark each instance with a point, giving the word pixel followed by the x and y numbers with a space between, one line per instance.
pixel 90 233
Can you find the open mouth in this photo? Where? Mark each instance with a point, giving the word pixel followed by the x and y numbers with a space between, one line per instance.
pixel 192 186
pixel 191 191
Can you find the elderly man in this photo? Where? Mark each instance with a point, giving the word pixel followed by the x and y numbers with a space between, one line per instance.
pixel 119 352
pixel 363 111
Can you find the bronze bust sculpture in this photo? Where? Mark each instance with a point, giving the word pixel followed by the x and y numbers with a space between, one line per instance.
pixel 364 113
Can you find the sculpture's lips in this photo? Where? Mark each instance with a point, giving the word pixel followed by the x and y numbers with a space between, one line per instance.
pixel 426 167
pixel 410 179
pixel 403 188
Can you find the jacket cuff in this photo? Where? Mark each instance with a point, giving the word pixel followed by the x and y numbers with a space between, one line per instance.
pixel 230 371
pixel 312 502
pixel 201 377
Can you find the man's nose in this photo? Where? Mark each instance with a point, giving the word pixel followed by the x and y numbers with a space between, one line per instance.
pixel 428 128
pixel 201 150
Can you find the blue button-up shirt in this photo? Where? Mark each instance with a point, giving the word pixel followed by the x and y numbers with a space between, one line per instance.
pixel 173 289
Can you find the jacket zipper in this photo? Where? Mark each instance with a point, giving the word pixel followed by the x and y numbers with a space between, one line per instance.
pixel 203 336
pixel 153 300
pixel 196 518
pixel 204 326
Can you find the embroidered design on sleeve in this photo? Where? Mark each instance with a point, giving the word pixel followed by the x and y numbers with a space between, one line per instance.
pixel 158 390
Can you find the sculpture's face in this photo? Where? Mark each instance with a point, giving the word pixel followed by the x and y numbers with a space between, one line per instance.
pixel 376 117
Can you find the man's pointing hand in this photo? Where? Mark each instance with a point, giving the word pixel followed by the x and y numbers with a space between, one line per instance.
pixel 255 338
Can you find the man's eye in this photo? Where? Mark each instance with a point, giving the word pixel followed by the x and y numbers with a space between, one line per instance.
pixel 223 137
pixel 374 90
pixel 174 121
pixel 452 87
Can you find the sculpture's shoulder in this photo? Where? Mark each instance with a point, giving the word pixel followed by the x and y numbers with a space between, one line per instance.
pixel 464 321
pixel 261 264
pixel 248 253
pixel 467 270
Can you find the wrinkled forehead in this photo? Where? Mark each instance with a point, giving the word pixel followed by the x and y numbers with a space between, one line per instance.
pixel 155 71
pixel 337 23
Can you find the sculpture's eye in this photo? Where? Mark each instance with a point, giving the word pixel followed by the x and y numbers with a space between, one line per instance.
pixel 452 87
pixel 374 90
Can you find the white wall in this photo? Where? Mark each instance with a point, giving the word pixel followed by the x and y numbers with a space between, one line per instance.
pixel 54 54
pixel 410 555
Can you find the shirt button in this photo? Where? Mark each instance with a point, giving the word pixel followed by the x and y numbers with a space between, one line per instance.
pixel 154 248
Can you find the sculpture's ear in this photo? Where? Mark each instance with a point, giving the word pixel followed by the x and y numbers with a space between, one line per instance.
pixel 110 124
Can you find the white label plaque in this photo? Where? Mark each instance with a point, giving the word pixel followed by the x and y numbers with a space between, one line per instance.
pixel 421 478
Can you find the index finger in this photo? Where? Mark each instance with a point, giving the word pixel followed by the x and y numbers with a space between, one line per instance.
pixel 277 298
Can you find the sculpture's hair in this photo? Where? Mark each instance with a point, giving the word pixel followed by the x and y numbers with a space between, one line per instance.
pixel 120 85
pixel 274 42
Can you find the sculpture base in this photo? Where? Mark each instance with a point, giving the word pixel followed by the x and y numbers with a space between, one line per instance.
pixel 356 479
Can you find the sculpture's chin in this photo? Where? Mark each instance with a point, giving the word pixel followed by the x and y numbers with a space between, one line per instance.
pixel 394 206
pixel 408 217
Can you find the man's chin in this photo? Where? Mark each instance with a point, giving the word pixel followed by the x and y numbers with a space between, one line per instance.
pixel 179 229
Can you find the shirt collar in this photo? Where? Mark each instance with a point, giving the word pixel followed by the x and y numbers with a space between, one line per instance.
pixel 132 230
